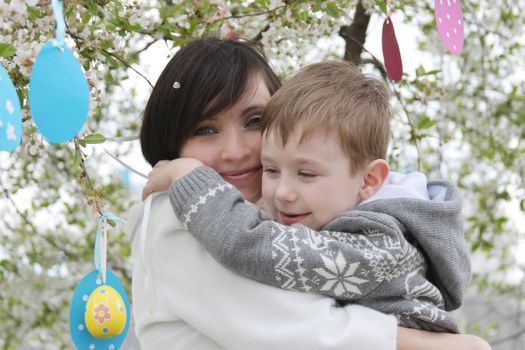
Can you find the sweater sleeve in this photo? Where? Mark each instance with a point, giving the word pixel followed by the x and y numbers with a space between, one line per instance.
pixel 237 234
pixel 184 299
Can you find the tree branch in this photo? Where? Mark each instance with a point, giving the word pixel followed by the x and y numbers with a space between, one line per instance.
pixel 78 42
pixel 355 34
pixel 84 177
pixel 508 337
pixel 377 64
pixel 127 65
pixel 258 37
pixel 254 14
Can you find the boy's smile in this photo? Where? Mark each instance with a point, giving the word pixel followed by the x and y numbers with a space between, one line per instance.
pixel 290 219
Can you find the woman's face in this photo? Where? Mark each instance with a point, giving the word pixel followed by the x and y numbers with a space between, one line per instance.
pixel 230 142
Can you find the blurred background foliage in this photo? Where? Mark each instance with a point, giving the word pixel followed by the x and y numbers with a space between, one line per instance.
pixel 456 117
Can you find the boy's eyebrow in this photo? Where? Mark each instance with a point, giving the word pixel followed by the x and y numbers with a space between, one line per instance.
pixel 302 160
pixel 299 160
pixel 310 161
pixel 265 156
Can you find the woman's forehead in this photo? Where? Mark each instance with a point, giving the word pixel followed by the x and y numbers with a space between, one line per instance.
pixel 255 97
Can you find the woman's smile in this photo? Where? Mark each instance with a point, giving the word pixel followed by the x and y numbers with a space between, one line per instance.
pixel 242 178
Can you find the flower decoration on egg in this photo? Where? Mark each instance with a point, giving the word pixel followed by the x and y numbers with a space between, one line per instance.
pixel 102 313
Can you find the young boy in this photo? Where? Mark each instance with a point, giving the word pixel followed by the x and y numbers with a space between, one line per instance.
pixel 346 228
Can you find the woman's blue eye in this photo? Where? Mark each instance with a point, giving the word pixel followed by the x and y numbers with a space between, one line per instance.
pixel 205 130
pixel 254 122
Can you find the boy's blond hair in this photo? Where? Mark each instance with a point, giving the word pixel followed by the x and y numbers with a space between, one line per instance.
pixel 334 96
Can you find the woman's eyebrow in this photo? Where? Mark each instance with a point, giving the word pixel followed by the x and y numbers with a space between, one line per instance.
pixel 256 107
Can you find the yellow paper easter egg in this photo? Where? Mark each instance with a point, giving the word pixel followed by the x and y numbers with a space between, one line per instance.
pixel 105 314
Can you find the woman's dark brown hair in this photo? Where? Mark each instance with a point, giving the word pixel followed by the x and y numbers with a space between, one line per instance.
pixel 210 76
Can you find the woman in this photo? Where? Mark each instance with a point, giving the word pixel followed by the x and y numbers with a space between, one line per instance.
pixel 207 105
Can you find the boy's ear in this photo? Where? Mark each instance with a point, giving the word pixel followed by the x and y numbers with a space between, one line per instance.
pixel 374 177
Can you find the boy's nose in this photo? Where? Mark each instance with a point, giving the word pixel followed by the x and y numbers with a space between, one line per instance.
pixel 285 192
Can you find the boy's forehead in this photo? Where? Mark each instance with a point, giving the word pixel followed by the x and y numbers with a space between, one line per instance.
pixel 299 134
pixel 319 147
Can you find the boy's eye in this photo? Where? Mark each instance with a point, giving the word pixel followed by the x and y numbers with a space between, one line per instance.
pixel 203 131
pixel 270 170
pixel 306 174
pixel 253 122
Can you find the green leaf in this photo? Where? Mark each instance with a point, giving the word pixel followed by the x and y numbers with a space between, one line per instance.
pixel 7 50
pixel 487 246
pixel 33 13
pixel 425 123
pixel 420 72
pixel 69 11
pixel 86 17
pixel 168 11
pixel 214 27
pixel 263 3
pixel 382 6
pixel 92 139
pixel 433 72
pixel 503 195
pixel 106 44
pixel 332 10
pixel 76 160
pixel 112 61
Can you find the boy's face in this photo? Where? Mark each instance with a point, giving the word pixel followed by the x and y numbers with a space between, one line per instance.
pixel 308 183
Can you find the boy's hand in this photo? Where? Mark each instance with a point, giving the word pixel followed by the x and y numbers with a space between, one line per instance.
pixel 165 172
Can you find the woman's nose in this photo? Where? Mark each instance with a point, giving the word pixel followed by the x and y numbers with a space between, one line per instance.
pixel 234 147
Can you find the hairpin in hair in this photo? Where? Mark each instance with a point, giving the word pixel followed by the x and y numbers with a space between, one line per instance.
pixel 176 85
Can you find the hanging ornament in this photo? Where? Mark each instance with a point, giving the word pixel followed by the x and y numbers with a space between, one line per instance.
pixel 99 313
pixel 10 114
pixel 58 90
pixel 391 53
pixel 449 21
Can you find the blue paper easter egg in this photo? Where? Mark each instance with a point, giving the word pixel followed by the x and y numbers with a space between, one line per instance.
pixel 58 94
pixel 10 114
pixel 84 336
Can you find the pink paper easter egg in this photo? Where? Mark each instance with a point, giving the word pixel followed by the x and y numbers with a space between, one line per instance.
pixel 449 21
pixel 391 53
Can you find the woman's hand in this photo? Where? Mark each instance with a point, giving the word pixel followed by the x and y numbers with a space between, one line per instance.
pixel 165 172
pixel 413 339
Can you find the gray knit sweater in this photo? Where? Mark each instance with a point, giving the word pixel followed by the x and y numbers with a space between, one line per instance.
pixel 402 256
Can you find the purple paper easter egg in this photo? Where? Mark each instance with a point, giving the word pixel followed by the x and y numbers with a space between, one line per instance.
pixel 449 21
